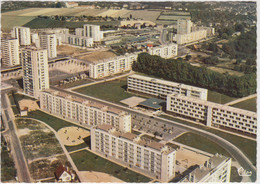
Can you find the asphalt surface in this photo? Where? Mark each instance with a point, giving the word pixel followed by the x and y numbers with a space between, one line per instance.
pixel 234 151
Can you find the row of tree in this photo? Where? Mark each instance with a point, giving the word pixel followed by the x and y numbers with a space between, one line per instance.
pixel 179 71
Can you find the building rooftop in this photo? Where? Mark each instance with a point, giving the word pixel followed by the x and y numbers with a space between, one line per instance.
pixel 155 145
pixel 129 136
pixel 153 103
pixel 105 127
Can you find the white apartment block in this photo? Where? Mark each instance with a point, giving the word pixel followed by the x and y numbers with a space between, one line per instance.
pixel 165 51
pixel 149 157
pixel 161 88
pixel 83 111
pixel 79 31
pixel 216 170
pixel 35 71
pixel 112 66
pixel 79 40
pixel 93 31
pixel 22 34
pixel 49 42
pixel 191 37
pixel 184 26
pixel 212 114
pixel 10 52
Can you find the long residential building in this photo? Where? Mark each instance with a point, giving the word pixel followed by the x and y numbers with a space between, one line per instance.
pixel 161 88
pixel 112 66
pixel 212 114
pixel 217 169
pixel 81 41
pixel 10 52
pixel 22 34
pixel 148 157
pixel 83 111
pixel 164 51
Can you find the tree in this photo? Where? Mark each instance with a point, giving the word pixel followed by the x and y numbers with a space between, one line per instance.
pixel 188 57
pixel 58 5
pixel 238 61
pixel 130 16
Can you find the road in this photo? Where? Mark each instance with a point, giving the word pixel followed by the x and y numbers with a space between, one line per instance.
pixel 241 99
pixel 232 149
pixel 19 159
pixel 163 35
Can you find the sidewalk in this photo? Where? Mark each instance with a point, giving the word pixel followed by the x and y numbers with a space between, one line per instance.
pixel 241 99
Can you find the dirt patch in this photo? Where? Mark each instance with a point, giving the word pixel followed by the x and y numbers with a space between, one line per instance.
pixel 29 104
pixel 69 50
pixel 23 131
pixel 98 177
pixel 98 56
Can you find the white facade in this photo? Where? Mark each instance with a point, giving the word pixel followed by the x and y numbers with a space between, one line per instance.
pixel 79 40
pixel 184 26
pixel 35 71
pixel 149 157
pixel 93 31
pixel 79 31
pixel 191 37
pixel 162 88
pixel 112 66
pixel 49 42
pixel 83 111
pixel 213 114
pixel 22 34
pixel 165 51
pixel 10 52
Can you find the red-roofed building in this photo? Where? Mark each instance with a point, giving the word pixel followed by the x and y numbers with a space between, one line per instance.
pixel 63 175
pixel 71 4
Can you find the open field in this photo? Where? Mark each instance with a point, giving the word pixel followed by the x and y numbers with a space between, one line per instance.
pixel 249 104
pixel 87 161
pixel 68 50
pixel 8 22
pixel 216 97
pixel 224 70
pixel 201 143
pixel 97 56
pixel 248 147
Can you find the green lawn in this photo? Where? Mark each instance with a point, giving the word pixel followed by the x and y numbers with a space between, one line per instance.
pixel 249 104
pixel 113 91
pixel 201 143
pixel 87 161
pixel 247 146
pixel 234 177
pixel 54 122
pixel 80 146
pixel 219 98
pixel 8 21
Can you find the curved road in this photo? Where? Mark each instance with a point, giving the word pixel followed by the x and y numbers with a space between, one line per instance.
pixel 229 147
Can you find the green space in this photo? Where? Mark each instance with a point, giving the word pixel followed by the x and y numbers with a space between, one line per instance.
pixel 113 91
pixel 87 161
pixel 201 143
pixel 8 21
pixel 18 97
pixel 15 110
pixel 76 83
pixel 234 177
pixel 247 146
pixel 79 146
pixel 11 99
pixel 216 97
pixel 249 104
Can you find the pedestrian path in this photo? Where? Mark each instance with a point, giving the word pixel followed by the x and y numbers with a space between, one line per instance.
pixel 241 99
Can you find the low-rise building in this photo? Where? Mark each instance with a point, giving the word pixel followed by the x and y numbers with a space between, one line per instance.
pixel 82 111
pixel 161 88
pixel 212 114
pixel 217 169
pixel 149 157
pixel 165 51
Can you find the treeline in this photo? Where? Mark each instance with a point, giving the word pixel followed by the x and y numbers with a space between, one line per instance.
pixel 179 71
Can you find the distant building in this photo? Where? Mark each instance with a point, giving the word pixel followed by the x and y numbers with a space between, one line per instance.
pixel 83 111
pixel 162 88
pixel 81 41
pixel 191 37
pixel 164 51
pixel 49 42
pixel 184 26
pixel 22 34
pixel 149 157
pixel 79 31
pixel 63 175
pixel 35 71
pixel 93 31
pixel 71 4
pixel 10 52
pixel 212 114
pixel 216 170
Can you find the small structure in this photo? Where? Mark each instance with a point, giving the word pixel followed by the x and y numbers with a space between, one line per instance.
pixel 63 175
pixel 153 104
pixel 24 111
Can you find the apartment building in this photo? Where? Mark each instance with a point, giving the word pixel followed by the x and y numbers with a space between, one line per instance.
pixel 79 31
pixel 112 66
pixel 35 70
pixel 148 157
pixel 217 169
pixel 212 114
pixel 22 34
pixel 191 37
pixel 161 88
pixel 165 51
pixel 81 41
pixel 82 111
pixel 10 51
pixel 49 42
pixel 93 31
pixel 184 26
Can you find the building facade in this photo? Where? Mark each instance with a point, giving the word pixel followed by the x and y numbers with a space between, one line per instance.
pixel 10 52
pixel 79 31
pixel 93 31
pixel 112 66
pixel 79 40
pixel 149 157
pixel 217 169
pixel 22 34
pixel 164 51
pixel 213 114
pixel 35 71
pixel 161 88
pixel 191 37
pixel 49 42
pixel 184 26
pixel 83 111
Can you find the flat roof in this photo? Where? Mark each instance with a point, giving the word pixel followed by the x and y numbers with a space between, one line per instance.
pixel 132 101
pixel 153 103
pixel 129 136
pixel 155 145
pixel 105 127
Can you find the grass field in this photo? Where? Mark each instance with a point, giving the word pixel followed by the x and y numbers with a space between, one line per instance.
pixel 87 161
pixel 8 22
pixel 234 177
pixel 201 143
pixel 219 98
pixel 248 147
pixel 249 104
